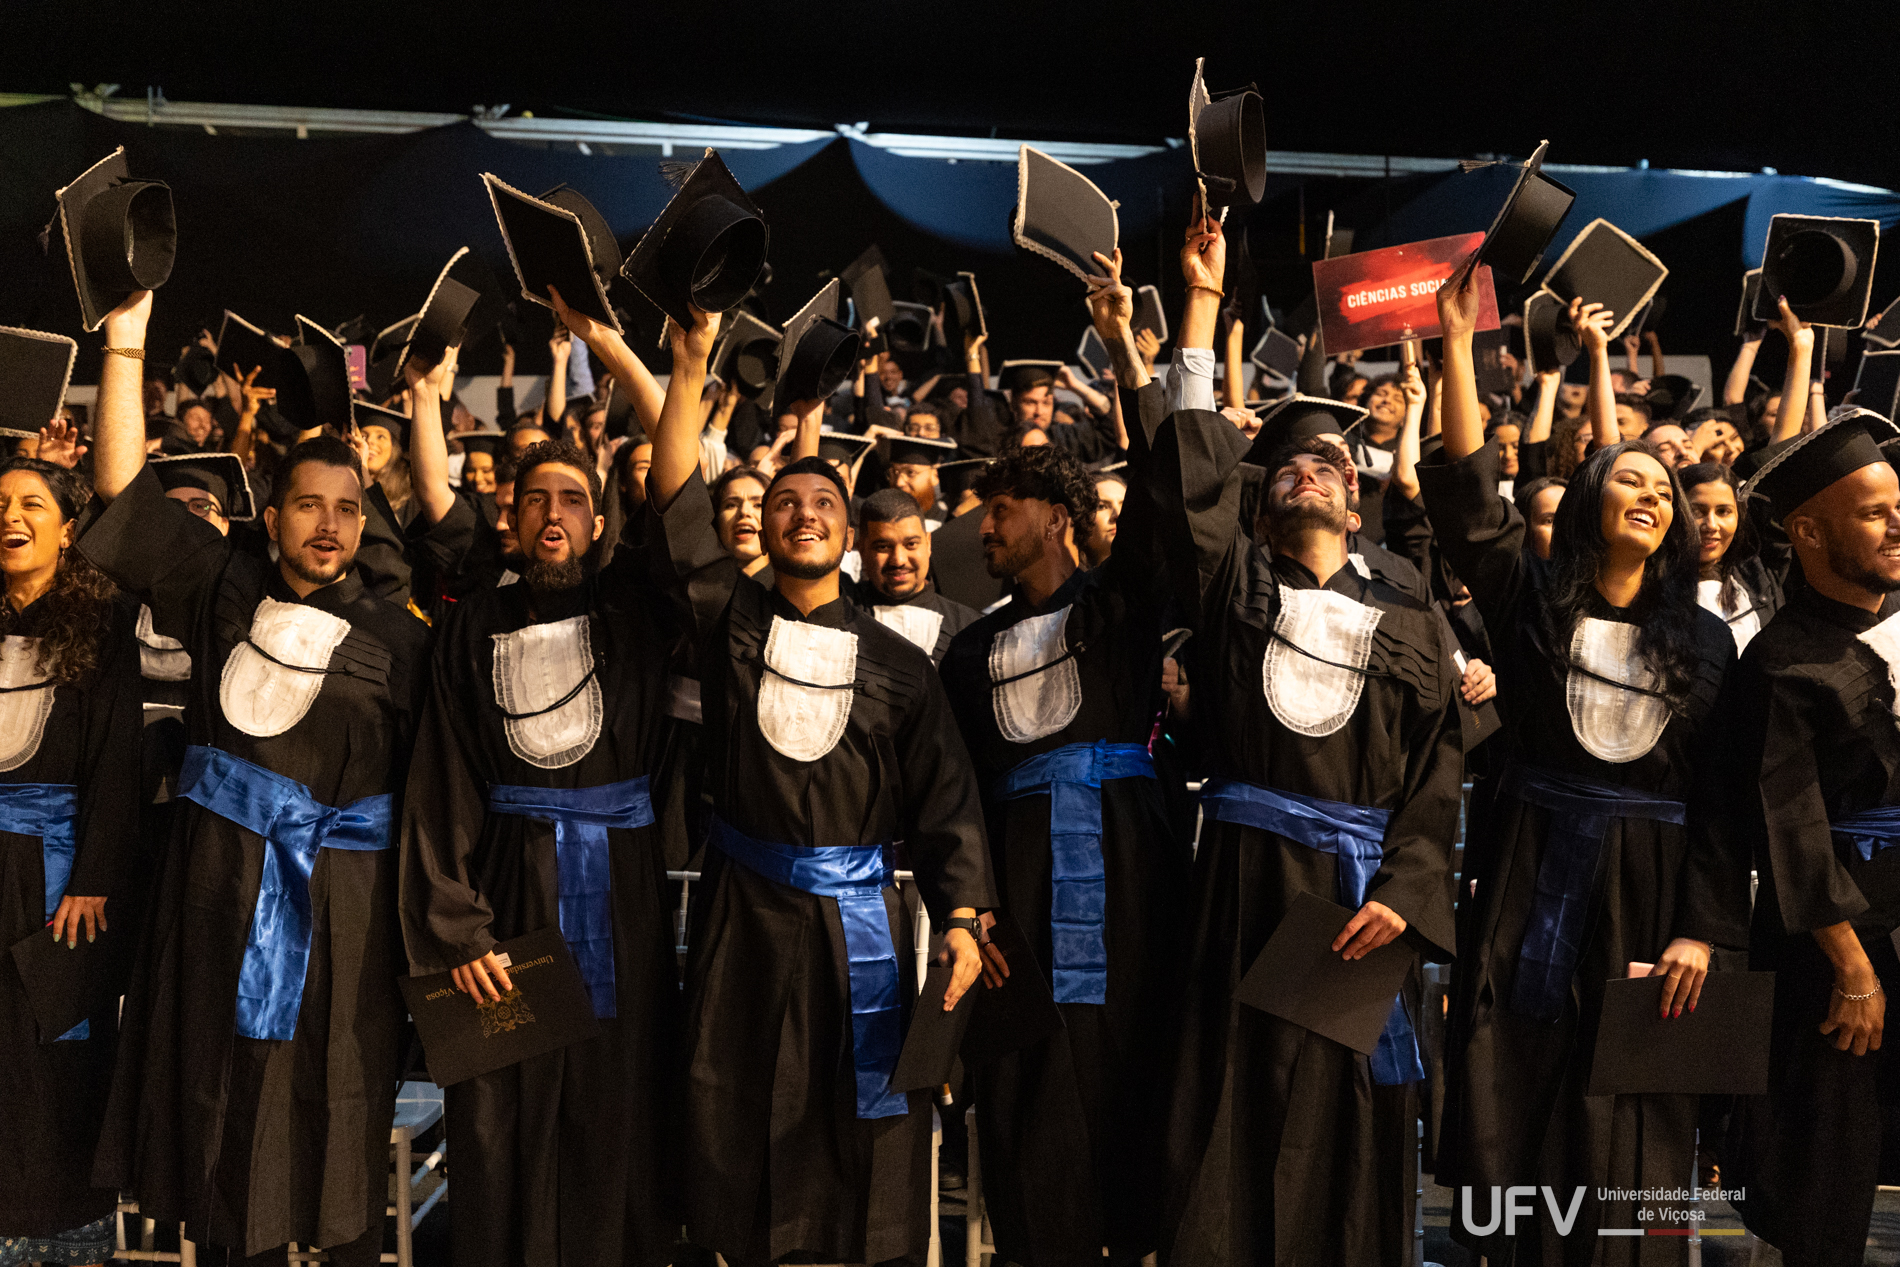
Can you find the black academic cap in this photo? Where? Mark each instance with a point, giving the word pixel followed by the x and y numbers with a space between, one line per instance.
pixel 558 240
pixel 243 347
pixel 394 421
pixel 747 357
pixel 1824 265
pixel 1548 332
pixel 1227 141
pixel 962 310
pixel 480 440
pixel 196 369
pixel 909 327
pixel 1721 1048
pixel 843 446
pixel 314 386
pixel 1527 221
pixel 1850 440
pixel 1301 417
pixel 1671 397
pixel 219 474
pixel 817 352
pixel 442 321
pixel 385 355
pixel 1149 314
pixel 1019 1012
pixel 1274 353
pixel 706 249
pixel 929 1055
pixel 121 235
pixel 1061 215
pixel 917 451
pixel 1884 332
pixel 1747 324
pixel 35 368
pixel 1020 376
pixel 1605 265
pixel 869 283
pixel 1092 354
pixel 1877 382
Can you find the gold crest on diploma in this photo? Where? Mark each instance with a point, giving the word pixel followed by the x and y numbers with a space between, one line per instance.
pixel 505 1014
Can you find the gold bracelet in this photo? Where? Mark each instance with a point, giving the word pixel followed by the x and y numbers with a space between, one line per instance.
pixel 137 354
pixel 1210 290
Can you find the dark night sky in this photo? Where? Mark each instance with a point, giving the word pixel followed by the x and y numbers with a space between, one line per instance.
pixel 1732 86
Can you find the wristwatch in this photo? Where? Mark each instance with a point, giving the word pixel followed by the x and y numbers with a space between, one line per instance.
pixel 967 923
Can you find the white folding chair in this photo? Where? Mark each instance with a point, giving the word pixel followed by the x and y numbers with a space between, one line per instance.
pixel 418 1107
pixel 186 1254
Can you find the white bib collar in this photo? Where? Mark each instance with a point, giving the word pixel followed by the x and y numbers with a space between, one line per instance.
pixel 806 692
pixel 161 659
pixel 1314 684
pixel 1884 640
pixel 1036 684
pixel 25 701
pixel 545 683
pixel 920 625
pixel 271 679
pixel 1615 723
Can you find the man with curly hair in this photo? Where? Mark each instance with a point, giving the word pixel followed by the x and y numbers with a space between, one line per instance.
pixel 1057 694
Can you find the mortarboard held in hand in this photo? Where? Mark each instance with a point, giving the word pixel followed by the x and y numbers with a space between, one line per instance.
pixel 1877 381
pixel 1227 142
pixel 962 311
pixel 869 283
pixel 121 235
pixel 1061 215
pixel 442 321
pixel 909 327
pixel 36 368
pixel 1884 330
pixel 707 248
pixel 818 352
pixel 1604 265
pixel 1276 355
pixel 1525 224
pixel 1092 354
pixel 243 347
pixel 1747 324
pixel 1548 334
pixel 221 475
pixel 1850 440
pixel 1822 265
pixel 314 378
pixel 747 357
pixel 558 240
pixel 1672 396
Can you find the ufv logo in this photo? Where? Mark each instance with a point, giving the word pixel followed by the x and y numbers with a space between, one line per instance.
pixel 1509 1204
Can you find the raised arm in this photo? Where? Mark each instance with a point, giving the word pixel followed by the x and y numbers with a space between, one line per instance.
pixel 560 348
pixel 119 436
pixel 1794 383
pixel 1458 403
pixel 1405 461
pixel 1234 365
pixel 629 372
pixel 1657 365
pixel 676 431
pixel 1736 386
pixel 428 447
pixel 1096 403
pixel 244 443
pixel 1592 323
pixel 1549 383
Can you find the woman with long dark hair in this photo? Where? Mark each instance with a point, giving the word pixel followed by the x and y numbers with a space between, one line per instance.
pixel 69 826
pixel 1735 580
pixel 1601 852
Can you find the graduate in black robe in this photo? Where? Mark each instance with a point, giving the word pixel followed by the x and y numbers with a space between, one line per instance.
pixel 69 843
pixel 1058 693
pixel 1605 844
pixel 1332 752
pixel 550 697
pixel 263 1031
pixel 896 584
pixel 827 739
pixel 1817 772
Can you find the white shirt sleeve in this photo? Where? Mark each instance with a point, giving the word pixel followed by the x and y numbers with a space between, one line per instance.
pixel 1191 379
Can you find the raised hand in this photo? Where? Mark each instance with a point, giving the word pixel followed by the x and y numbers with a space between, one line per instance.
pixel 1111 302
pixel 1592 323
pixel 1204 254
pixel 60 445
pixel 1458 300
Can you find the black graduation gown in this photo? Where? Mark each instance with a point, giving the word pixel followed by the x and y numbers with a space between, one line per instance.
pixel 956 616
pixel 53 1096
pixel 253 1143
pixel 776 1160
pixel 560 1157
pixel 1819 744
pixel 1515 1110
pixel 1280 1147
pixel 1070 1127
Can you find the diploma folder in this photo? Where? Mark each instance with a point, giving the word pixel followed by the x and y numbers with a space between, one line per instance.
pixel 1299 977
pixel 63 987
pixel 1019 1013
pixel 548 1008
pixel 1721 1048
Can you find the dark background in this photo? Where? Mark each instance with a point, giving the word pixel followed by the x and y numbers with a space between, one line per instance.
pixel 1796 88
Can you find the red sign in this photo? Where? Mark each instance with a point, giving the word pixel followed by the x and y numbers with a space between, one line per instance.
pixel 1376 298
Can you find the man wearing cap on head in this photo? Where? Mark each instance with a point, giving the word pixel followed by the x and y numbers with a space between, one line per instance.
pixel 1335 767
pixel 1817 783
pixel 894 549
pixel 531 804
pixel 911 468
pixel 829 738
pixel 256 1082
pixel 1056 693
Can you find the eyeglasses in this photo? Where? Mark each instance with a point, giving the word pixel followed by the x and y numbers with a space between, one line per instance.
pixel 203 507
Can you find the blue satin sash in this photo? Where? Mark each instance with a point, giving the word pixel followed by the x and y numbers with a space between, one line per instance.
pixel 581 817
pixel 1580 814
pixel 1871 830
pixel 1355 836
pixel 1078 901
pixel 294 825
pixel 854 876
pixel 49 811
